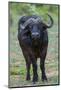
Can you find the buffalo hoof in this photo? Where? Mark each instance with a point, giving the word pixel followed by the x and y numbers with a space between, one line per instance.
pixel 28 78
pixel 44 78
pixel 35 79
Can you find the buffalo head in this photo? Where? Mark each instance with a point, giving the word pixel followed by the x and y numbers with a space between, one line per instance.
pixel 36 27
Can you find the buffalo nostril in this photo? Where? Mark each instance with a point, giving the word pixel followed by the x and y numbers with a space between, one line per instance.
pixel 35 35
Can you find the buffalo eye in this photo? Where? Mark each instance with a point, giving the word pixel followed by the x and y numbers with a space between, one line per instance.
pixel 44 27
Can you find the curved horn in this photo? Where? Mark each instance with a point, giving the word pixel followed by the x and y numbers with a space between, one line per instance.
pixel 27 22
pixel 30 21
pixel 51 24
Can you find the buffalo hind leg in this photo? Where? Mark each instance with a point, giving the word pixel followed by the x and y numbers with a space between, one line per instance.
pixel 42 64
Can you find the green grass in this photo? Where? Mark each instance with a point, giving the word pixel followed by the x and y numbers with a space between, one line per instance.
pixel 18 65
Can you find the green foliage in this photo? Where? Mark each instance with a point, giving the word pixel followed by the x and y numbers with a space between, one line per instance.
pixel 20 9
pixel 23 8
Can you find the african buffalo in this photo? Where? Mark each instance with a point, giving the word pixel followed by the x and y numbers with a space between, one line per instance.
pixel 33 39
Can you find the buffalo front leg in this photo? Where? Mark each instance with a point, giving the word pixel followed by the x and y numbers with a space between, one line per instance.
pixel 28 63
pixel 27 59
pixel 28 70
pixel 42 64
pixel 34 65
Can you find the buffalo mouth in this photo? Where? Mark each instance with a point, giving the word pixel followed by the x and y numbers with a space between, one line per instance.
pixel 35 43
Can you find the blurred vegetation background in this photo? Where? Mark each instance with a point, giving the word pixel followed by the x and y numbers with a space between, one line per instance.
pixel 20 9
pixel 17 62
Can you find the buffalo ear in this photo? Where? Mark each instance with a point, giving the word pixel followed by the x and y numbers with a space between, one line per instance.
pixel 44 26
